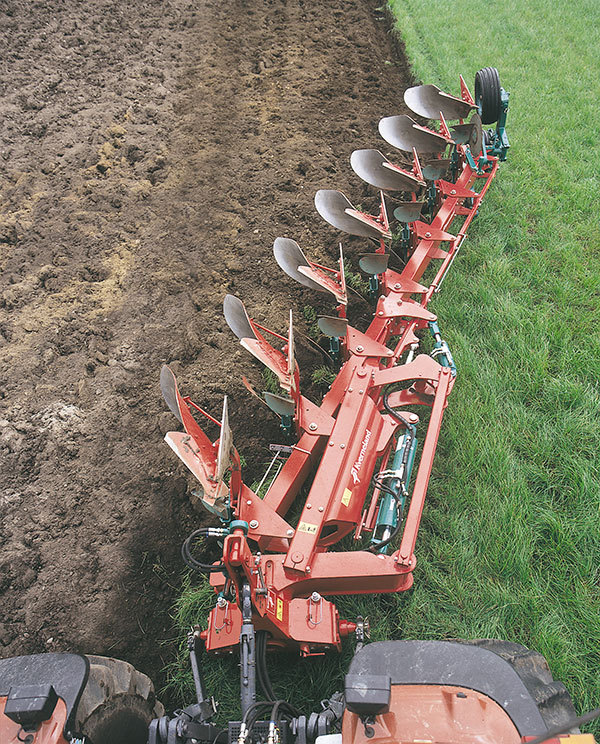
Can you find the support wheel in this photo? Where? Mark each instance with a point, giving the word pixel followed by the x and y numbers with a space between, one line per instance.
pixel 117 704
pixel 487 94
pixel 553 700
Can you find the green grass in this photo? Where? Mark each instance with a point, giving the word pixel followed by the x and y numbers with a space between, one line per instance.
pixel 510 540
pixel 510 545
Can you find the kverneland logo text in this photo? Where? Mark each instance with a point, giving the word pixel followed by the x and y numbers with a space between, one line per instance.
pixel 361 456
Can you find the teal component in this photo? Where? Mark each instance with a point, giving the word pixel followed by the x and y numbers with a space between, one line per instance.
pixel 239 524
pixel 482 164
pixel 441 352
pixel 396 480
pixel 404 242
pixel 373 287
pixel 454 162
pixel 334 348
pixel 432 195
pixel 286 424
pixel 500 144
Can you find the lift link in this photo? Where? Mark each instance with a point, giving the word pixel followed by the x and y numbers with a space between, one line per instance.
pixel 247 655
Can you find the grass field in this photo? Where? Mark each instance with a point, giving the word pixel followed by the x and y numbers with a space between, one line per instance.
pixel 510 542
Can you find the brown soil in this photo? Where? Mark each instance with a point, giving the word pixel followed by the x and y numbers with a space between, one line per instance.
pixel 151 152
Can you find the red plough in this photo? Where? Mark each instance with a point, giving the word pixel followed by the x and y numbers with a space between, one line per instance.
pixel 353 455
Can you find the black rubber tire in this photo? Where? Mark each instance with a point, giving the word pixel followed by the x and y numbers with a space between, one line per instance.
pixel 487 94
pixel 552 698
pixel 117 704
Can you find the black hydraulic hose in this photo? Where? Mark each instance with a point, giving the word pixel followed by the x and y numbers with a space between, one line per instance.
pixel 193 563
pixel 289 709
pixel 254 708
pixel 261 665
pixel 394 413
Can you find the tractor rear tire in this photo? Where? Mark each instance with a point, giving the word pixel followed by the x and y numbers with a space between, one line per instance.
pixel 487 94
pixel 117 704
pixel 552 699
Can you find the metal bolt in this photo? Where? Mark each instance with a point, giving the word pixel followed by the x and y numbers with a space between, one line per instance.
pixel 427 234
pixel 413 417
pixel 397 285
pixel 315 597
pixel 360 392
pixel 321 508
pixel 307 569
pixel 289 533
pixel 380 312
pixel 331 444
pixel 249 502
pixel 312 426
pixel 221 602
pixel 360 348
pixel 342 446
pixel 453 191
pixel 309 506
pixel 253 524
pixel 349 390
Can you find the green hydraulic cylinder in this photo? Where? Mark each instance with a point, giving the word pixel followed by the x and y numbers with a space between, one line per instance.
pixel 397 480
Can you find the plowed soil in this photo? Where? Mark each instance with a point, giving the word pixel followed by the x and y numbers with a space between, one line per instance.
pixel 151 151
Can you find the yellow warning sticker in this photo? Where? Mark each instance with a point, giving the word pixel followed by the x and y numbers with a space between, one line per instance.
pixel 307 527
pixel 279 609
pixel 346 496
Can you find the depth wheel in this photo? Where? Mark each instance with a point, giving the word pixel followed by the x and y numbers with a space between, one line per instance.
pixel 117 704
pixel 487 94
pixel 553 700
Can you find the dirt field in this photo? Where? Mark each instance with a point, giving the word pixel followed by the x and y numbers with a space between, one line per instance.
pixel 151 151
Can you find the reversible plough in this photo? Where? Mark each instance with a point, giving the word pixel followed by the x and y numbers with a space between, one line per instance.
pixel 355 454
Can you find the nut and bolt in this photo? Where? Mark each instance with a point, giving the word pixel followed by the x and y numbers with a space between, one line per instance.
pixel 307 569
pixel 221 602
pixel 321 508
pixel 253 524
pixel 315 597
pixel 312 426
pixel 342 446
pixel 360 348
pixel 309 506
pixel 413 417
pixel 290 532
